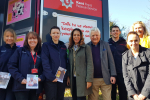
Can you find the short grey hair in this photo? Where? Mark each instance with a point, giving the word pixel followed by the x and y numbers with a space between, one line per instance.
pixel 94 29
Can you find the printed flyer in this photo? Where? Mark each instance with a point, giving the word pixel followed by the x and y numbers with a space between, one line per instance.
pixel 4 79
pixel 60 74
pixel 32 81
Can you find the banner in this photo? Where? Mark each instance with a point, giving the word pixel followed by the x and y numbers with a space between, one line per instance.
pixel 18 10
pixel 68 23
pixel 85 7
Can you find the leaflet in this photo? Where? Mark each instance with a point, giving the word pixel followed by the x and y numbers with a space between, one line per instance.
pixel 32 81
pixel 60 74
pixel 4 79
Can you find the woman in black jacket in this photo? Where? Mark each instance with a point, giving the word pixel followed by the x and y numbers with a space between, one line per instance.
pixel 27 60
pixel 136 69
pixel 5 53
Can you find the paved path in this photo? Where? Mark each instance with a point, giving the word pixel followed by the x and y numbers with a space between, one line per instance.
pixel 68 98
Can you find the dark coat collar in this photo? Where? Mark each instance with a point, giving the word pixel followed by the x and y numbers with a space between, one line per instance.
pixel 120 40
pixel 9 47
pixel 84 45
pixel 140 58
pixel 25 49
pixel 90 43
pixel 141 53
pixel 60 43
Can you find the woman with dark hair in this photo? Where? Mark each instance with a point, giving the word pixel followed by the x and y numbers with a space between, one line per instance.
pixel 136 69
pixel 6 52
pixel 54 55
pixel 26 60
pixel 81 66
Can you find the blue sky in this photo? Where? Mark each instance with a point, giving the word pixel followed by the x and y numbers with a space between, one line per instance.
pixel 126 12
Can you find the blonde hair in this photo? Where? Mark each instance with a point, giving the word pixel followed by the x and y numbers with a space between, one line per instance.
pixel 11 31
pixel 144 27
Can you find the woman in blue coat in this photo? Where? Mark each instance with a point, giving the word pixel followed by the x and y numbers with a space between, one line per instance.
pixel 136 69
pixel 6 52
pixel 27 60
pixel 54 55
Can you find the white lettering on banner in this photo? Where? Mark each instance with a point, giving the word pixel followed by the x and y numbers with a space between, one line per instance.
pixel 81 3
pixel 85 5
pixel 90 5
pixel 68 23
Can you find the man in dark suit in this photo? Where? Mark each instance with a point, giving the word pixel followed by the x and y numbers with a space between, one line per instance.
pixel 118 46
pixel 104 67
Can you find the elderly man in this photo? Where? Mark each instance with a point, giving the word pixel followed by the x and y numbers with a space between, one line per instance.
pixel 104 67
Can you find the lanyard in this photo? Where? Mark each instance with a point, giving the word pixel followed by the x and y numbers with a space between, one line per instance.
pixel 34 59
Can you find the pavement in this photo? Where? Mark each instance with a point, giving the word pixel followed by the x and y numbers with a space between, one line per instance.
pixel 67 98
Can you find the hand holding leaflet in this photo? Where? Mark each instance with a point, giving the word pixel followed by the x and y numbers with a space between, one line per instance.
pixel 32 81
pixel 60 74
pixel 4 79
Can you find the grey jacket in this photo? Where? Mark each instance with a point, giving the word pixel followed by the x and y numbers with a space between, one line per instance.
pixel 84 69
pixel 107 61
pixel 136 72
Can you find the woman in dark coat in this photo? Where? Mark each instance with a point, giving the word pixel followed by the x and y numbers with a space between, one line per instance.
pixel 27 60
pixel 81 66
pixel 136 69
pixel 54 56
pixel 6 52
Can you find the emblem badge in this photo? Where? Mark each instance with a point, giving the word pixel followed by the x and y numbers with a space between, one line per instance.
pixel 67 3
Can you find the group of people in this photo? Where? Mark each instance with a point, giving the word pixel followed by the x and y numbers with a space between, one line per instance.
pixel 97 65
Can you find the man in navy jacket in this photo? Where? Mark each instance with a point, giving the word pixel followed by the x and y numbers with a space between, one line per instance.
pixel 118 46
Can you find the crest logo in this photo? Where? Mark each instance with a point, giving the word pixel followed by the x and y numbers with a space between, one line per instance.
pixel 67 3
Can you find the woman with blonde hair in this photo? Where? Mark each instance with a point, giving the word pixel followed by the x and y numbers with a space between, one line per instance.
pixel 6 52
pixel 141 30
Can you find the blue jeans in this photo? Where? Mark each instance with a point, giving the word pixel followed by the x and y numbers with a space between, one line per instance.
pixel 7 94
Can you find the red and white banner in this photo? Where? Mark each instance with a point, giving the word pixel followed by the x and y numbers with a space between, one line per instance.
pixel 85 7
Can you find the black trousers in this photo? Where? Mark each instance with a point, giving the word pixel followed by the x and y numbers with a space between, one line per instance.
pixel 7 94
pixel 54 90
pixel 26 95
pixel 74 92
pixel 121 88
